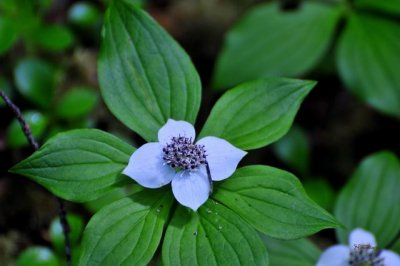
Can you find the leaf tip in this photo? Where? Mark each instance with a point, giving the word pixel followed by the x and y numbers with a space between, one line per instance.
pixel 14 169
pixel 310 83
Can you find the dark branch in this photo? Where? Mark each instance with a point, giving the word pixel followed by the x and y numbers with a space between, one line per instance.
pixel 25 127
pixel 32 142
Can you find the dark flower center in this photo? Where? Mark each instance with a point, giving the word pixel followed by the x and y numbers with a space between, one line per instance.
pixel 365 255
pixel 181 154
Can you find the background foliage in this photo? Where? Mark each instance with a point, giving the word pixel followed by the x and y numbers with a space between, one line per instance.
pixel 48 53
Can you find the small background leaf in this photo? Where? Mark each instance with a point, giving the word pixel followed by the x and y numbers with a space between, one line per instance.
pixel 256 113
pixel 213 236
pixel 76 102
pixel 320 191
pixel 269 41
pixel 301 252
pixel 8 34
pixel 79 165
pixel 126 232
pixel 76 226
pixel 37 256
pixel 84 14
pixel 294 150
pixel 36 80
pixel 54 37
pixel 274 202
pixel 145 76
pixel 370 200
pixel 37 122
pixel 368 57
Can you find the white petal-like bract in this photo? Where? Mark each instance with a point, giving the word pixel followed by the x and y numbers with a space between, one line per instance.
pixel 390 258
pixel 146 167
pixel 175 129
pixel 191 189
pixel 337 255
pixel 361 237
pixel 222 157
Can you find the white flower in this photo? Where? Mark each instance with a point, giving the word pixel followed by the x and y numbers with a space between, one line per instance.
pixel 176 158
pixel 362 251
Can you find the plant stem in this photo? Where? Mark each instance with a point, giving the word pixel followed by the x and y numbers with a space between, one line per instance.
pixel 32 142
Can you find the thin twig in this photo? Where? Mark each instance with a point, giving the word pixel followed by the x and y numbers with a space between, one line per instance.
pixel 32 142
pixel 25 127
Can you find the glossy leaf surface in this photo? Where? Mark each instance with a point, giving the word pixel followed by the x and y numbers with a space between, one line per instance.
pixel 79 165
pixel 256 113
pixel 213 236
pixel 145 76
pixel 128 231
pixel 274 202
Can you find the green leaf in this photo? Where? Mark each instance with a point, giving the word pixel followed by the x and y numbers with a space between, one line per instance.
pixel 301 252
pixel 390 6
pixel 36 80
pixel 370 200
pixel 135 3
pixel 145 76
pixel 37 256
pixel 77 102
pixel 122 192
pixel 76 254
pixel 79 165
pixel 320 191
pixel 37 122
pixel 54 38
pixel 8 34
pixel 84 14
pixel 127 232
pixel 8 6
pixel 213 236
pixel 294 150
pixel 257 113
pixel 274 202
pixel 268 41
pixel 368 57
pixel 56 233
pixel 43 4
pixel 396 246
